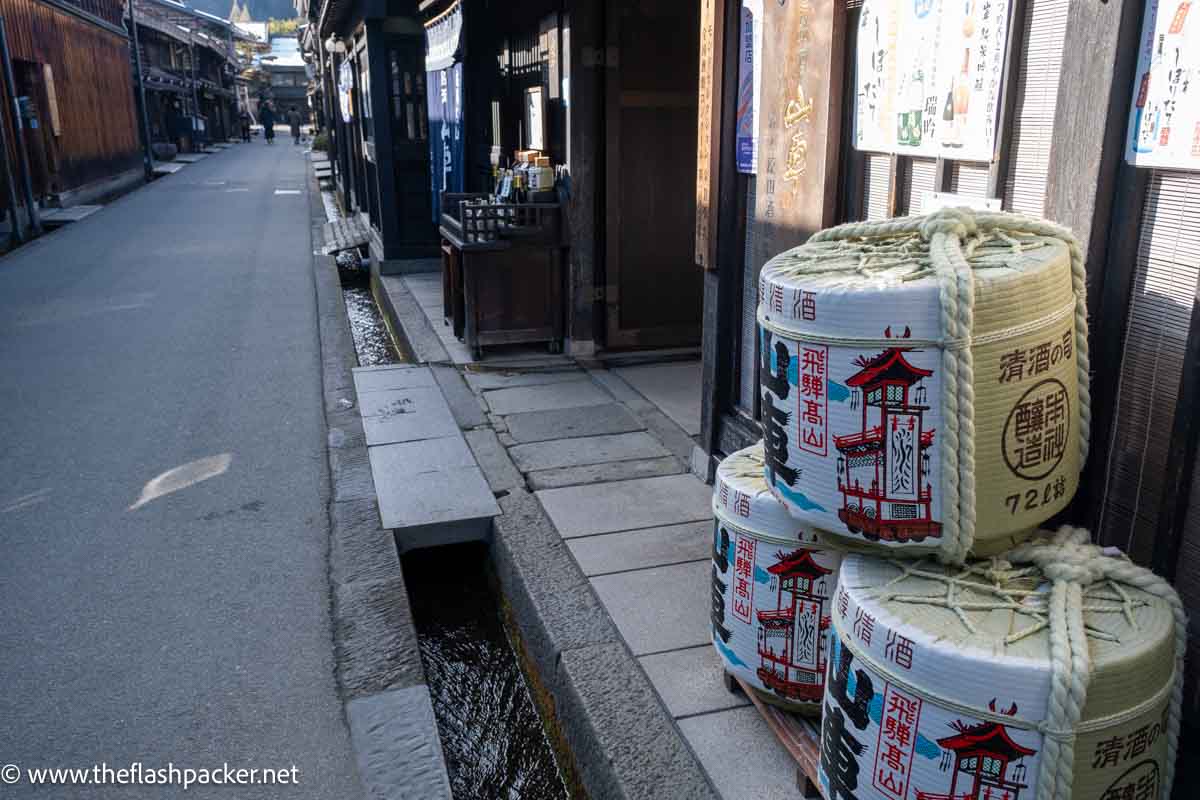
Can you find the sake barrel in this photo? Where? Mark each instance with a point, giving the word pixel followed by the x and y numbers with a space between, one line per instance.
pixel 940 681
pixel 922 390
pixel 771 588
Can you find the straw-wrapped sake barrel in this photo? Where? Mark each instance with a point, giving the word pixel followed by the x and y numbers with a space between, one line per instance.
pixel 876 430
pixel 771 588
pixel 940 679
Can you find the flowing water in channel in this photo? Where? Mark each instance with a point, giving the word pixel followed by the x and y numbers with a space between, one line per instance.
pixel 492 736
pixel 371 339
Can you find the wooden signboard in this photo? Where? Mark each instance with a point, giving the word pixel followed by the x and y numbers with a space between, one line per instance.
pixel 708 131
pixel 799 123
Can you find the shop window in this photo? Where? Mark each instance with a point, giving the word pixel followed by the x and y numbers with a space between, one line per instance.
pixel 406 89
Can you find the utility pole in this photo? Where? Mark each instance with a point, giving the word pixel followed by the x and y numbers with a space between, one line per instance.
pixel 10 83
pixel 195 91
pixel 144 127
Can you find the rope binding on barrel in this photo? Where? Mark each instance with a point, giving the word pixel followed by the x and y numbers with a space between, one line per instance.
pixel 941 245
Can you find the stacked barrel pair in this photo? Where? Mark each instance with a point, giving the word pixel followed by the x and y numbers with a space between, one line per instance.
pixel 925 406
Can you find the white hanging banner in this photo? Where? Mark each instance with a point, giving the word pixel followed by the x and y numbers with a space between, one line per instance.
pixel 929 77
pixel 1164 118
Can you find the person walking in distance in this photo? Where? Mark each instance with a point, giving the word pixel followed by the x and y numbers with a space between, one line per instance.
pixel 267 116
pixel 293 118
pixel 244 120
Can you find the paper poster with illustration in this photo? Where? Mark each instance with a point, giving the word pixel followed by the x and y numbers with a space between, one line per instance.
pixel 1164 117
pixel 929 77
pixel 749 85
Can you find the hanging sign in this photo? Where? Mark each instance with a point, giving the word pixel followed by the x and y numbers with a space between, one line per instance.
pixel 1164 118
pixel 445 100
pixel 799 123
pixel 749 85
pixel 345 87
pixel 929 77
pixel 443 39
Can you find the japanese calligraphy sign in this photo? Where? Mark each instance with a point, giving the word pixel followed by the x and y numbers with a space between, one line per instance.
pixel 918 706
pixel 1164 117
pixel 799 123
pixel 749 85
pixel 929 77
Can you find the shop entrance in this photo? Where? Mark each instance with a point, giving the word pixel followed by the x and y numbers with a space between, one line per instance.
pixel 654 290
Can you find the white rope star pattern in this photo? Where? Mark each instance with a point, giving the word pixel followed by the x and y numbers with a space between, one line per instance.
pixel 1083 579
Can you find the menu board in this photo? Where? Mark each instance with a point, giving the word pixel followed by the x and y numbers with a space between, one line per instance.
pixel 1164 118
pixel 929 77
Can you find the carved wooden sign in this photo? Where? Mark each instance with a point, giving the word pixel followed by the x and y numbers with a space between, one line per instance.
pixel 799 123
pixel 708 151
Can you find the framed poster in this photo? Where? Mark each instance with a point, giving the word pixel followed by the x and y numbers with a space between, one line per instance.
pixel 929 77
pixel 749 83
pixel 535 118
pixel 1164 117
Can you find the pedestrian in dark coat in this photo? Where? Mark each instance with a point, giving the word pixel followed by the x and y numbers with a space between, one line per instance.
pixel 293 119
pixel 267 116
pixel 244 120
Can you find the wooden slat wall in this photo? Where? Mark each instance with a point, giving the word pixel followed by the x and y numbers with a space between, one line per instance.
pixel 917 178
pixel 968 179
pixel 1033 115
pixel 877 184
pixel 1168 267
pixel 94 85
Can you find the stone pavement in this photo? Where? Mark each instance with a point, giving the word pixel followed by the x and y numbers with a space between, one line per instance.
pixel 608 471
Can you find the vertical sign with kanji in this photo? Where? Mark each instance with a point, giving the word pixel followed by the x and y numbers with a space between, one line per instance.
pixel 708 127
pixel 799 122
pixel 814 403
pixel 897 737
pixel 743 578
pixel 807 639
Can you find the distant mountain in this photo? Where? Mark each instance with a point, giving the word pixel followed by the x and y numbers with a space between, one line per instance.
pixel 259 10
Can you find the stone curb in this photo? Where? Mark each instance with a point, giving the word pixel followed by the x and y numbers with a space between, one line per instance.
pixel 377 658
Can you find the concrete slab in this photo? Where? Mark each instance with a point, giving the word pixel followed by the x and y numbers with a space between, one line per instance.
pixel 405 459
pixel 764 770
pixel 436 498
pixel 605 473
pixel 396 741
pixel 190 158
pixel 659 609
pixel 565 423
pixel 689 681
pixel 497 467
pixel 651 547
pixel 63 216
pixel 589 450
pixel 406 415
pixel 484 379
pixel 166 167
pixel 569 394
pixel 392 376
pixel 674 388
pixel 627 505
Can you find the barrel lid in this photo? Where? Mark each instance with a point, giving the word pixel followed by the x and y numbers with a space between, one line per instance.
pixel 741 497
pixel 855 288
pixel 977 635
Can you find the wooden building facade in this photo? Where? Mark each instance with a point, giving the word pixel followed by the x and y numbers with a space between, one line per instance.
pixel 1067 119
pixel 70 62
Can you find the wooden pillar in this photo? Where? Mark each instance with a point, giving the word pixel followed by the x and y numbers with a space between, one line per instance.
pixel 1093 192
pixel 720 215
pixel 381 150
pixel 583 46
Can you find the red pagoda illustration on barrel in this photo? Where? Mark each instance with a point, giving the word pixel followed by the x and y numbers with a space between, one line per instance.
pixel 987 762
pixel 791 639
pixel 883 468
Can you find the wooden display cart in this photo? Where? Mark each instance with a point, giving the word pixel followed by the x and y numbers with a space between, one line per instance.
pixel 800 736
pixel 502 277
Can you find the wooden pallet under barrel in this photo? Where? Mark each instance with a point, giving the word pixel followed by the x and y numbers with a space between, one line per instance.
pixel 800 736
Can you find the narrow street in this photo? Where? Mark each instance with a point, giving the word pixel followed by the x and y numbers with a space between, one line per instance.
pixel 184 619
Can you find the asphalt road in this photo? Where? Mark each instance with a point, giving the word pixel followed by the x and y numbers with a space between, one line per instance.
pixel 175 327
